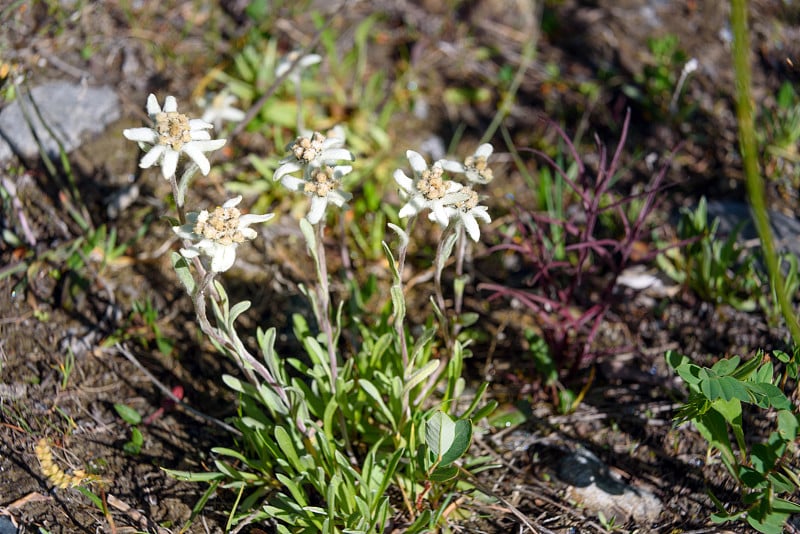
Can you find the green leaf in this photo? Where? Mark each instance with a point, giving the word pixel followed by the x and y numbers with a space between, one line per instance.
pixel 391 467
pixel 476 398
pixel 286 446
pixel 134 446
pixel 227 470
pixel 722 517
pixel 311 241
pixel 725 388
pixel 235 384
pixel 785 506
pixel 787 425
pixel 461 442
pixel 459 284
pixel 392 262
pixel 398 305
pixel 507 416
pixel 726 366
pixel 690 373
pixel 128 414
pixel 768 523
pixel 443 474
pixel 764 373
pixel 373 392
pixel 485 411
pixel 238 309
pixel 712 427
pixel 746 369
pixel 421 374
pixel 266 342
pixel 782 356
pixel 297 493
pixel 731 410
pixel 751 478
pixel 184 273
pixel 781 483
pixel 230 452
pixel 327 418
pixel 185 180
pixel 440 433
pixel 333 487
pixel 421 346
pixel 194 477
pixel 96 500
pixel 422 524
pixel 675 359
pixel 468 319
pixel 766 395
pixel 317 354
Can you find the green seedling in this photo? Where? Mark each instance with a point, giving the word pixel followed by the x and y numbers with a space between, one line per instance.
pixel 134 445
pixel 66 367
pixel 716 268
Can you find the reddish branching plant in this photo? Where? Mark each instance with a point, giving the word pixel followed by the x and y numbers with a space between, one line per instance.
pixel 575 259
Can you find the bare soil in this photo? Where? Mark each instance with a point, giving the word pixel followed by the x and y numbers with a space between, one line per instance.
pixel 625 420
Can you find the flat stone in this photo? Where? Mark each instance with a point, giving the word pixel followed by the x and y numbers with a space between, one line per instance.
pixel 71 111
pixel 7 526
pixel 737 215
pixel 596 489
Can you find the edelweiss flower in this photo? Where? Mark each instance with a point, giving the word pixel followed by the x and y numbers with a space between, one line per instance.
pixel 220 108
pixel 316 150
pixel 475 167
pixel 322 185
pixel 218 233
pixel 428 189
pixel 173 133
pixel 286 62
pixel 467 211
pixel 316 156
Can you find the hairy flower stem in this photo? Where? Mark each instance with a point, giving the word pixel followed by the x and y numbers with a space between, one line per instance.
pixel 401 266
pixel 399 325
pixel 324 299
pixel 458 298
pixel 747 142
pixel 439 292
pixel 449 331
pixel 247 362
pixel 324 322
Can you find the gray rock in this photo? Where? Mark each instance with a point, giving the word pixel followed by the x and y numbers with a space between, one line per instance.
pixel 7 526
pixel 71 112
pixel 594 487
pixel 731 214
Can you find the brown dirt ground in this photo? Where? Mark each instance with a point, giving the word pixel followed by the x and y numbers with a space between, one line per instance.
pixel 165 47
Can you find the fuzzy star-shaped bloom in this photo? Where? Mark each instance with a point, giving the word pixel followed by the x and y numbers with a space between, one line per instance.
pixel 173 133
pixel 219 108
pixel 286 63
pixel 475 167
pixel 426 190
pixel 315 150
pixel 317 156
pixel 216 234
pixel 322 184
pixel 467 212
